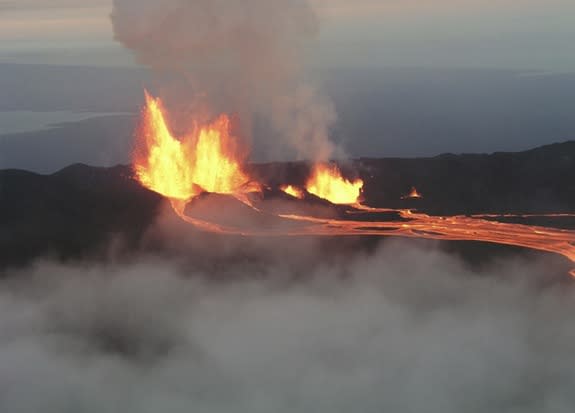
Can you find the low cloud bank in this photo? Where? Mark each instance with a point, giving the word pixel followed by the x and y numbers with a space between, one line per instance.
pixel 403 329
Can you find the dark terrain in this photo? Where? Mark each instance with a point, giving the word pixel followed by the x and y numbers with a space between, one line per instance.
pixel 78 211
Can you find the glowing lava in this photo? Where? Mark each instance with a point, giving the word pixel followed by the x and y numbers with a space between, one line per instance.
pixel 413 194
pixel 326 182
pixel 293 191
pixel 207 159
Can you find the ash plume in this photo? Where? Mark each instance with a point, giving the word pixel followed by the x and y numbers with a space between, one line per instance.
pixel 243 57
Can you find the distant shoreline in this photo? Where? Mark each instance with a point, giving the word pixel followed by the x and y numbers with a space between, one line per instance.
pixel 24 121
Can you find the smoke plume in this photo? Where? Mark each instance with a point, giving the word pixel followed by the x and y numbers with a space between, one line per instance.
pixel 401 329
pixel 243 57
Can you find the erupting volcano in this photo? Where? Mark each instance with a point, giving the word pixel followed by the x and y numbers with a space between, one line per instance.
pixel 209 159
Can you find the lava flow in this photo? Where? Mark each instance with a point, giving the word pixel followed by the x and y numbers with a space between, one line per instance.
pixel 209 160
pixel 455 228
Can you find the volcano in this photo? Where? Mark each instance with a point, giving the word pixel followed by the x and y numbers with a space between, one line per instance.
pixel 74 213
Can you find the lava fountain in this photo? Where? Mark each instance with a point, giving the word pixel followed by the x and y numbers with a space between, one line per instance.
pixel 326 182
pixel 413 194
pixel 208 159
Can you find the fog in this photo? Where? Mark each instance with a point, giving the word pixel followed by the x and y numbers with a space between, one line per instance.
pixel 403 328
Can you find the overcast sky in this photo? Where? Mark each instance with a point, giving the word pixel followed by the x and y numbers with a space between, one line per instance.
pixel 517 34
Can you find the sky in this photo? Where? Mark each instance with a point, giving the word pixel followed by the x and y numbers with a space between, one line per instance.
pixel 510 34
pixel 396 83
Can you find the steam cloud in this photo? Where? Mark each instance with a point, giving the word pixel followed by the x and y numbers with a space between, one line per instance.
pixel 243 57
pixel 401 329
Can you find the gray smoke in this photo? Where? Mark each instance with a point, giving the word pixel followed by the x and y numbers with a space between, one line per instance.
pixel 402 329
pixel 243 57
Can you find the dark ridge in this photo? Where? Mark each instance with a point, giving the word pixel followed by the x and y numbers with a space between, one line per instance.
pixel 74 213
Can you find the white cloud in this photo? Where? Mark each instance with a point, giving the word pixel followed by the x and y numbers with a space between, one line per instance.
pixel 400 330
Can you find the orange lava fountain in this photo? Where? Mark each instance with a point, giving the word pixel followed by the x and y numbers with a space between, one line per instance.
pixel 293 191
pixel 326 182
pixel 413 194
pixel 208 159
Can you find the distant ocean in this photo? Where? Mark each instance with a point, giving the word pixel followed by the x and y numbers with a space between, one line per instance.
pixel 29 121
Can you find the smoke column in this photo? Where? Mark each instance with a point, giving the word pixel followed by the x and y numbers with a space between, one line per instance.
pixel 244 57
